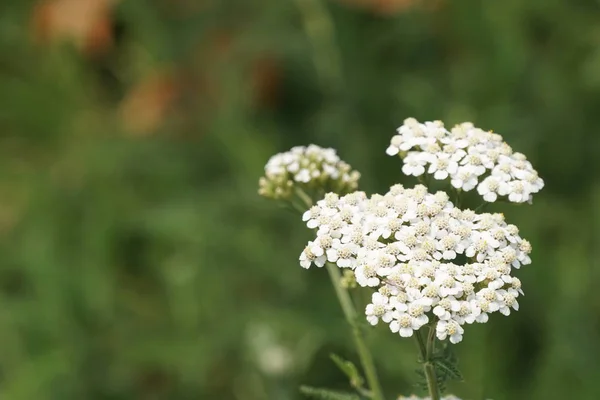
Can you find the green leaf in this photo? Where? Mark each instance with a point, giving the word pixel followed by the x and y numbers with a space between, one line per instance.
pixel 350 370
pixel 421 381
pixel 448 369
pixel 326 394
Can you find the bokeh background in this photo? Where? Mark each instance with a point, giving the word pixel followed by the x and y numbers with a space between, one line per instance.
pixel 137 260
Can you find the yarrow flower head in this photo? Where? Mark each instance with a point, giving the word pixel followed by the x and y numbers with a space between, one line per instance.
pixel 467 156
pixel 427 261
pixel 310 169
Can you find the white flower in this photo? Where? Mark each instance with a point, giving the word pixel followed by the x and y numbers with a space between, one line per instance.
pixel 342 254
pixel 482 244
pixel 466 313
pixel 303 176
pixel 472 161
pixel 490 187
pixel 481 317
pixel 488 300
pixel 405 323
pixel 394 148
pixel 508 301
pixel 330 225
pixel 429 296
pixel 366 275
pixel 468 157
pixel 535 182
pixel 312 254
pixel 413 263
pixel 379 308
pixel 464 178
pixel 518 192
pixel 310 167
pixel 414 164
pixel 446 247
pixel 450 329
pixel 442 166
pixel 448 285
pixel 422 298
pixel 392 226
pixel 523 253
pixel 445 306
pixel 311 217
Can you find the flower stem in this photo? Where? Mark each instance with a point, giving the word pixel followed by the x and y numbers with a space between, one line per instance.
pixel 427 349
pixel 366 359
pixel 457 200
pixel 481 207
pixel 306 199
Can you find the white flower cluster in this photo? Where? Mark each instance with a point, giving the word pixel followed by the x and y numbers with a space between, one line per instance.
pixel 429 261
pixel 310 167
pixel 470 157
pixel 413 397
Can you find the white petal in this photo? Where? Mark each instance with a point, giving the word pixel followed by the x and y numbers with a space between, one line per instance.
pixel 440 175
pixel 317 251
pixel 455 338
pixel 320 262
pixel 392 151
pixel 406 332
pixel 490 197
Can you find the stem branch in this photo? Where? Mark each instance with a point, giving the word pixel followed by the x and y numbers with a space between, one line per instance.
pixel 366 359
pixel 306 199
pixel 427 349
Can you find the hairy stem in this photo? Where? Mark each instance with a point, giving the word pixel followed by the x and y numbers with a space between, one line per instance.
pixel 427 349
pixel 366 359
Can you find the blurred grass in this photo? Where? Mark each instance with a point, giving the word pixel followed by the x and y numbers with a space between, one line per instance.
pixel 138 261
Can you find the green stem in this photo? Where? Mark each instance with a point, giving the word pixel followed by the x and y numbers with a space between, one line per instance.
pixel 306 199
pixel 320 31
pixel 366 359
pixel 457 201
pixel 481 207
pixel 427 349
pixel 422 346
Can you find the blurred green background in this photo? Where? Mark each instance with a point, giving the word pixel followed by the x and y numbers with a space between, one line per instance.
pixel 137 260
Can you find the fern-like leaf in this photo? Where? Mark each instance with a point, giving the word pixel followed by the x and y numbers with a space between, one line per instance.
pixel 448 369
pixel 350 370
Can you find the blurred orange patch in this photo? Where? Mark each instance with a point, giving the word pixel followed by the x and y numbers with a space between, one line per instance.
pixel 266 76
pixel 149 102
pixel 86 23
pixel 146 105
